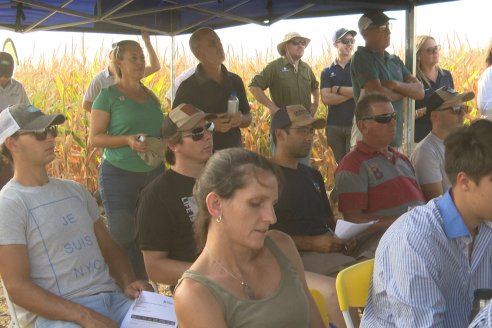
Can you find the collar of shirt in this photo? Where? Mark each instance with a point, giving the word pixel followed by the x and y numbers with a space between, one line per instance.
pixel 202 78
pixel 386 55
pixel 289 64
pixel 363 148
pixel 336 63
pixel 453 224
pixel 106 72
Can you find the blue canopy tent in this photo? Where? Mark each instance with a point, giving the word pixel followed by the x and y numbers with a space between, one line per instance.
pixel 174 17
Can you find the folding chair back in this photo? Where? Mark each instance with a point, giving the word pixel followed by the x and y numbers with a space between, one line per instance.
pixel 353 287
pixel 320 304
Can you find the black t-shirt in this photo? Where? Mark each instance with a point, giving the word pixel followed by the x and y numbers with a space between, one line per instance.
pixel 212 97
pixel 165 214
pixel 303 207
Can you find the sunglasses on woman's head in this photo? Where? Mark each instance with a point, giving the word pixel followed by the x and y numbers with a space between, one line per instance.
pixel 198 133
pixel 382 118
pixel 41 135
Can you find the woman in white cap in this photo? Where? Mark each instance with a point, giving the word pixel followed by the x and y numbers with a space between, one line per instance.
pixel 247 275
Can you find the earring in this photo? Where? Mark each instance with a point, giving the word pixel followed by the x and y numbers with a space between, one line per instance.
pixel 219 219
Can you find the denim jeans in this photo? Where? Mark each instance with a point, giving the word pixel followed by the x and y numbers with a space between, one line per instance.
pixel 119 191
pixel 339 140
pixel 112 305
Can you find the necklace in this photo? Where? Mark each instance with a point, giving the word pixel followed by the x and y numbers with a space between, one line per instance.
pixel 247 290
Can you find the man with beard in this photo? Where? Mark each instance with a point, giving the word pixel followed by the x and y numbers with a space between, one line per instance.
pixel 211 87
pixel 166 208
pixel 303 210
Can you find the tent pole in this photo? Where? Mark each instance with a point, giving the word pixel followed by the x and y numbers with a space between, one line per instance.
pixel 173 53
pixel 410 62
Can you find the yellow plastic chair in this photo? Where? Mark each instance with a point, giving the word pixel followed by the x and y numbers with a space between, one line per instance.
pixel 320 304
pixel 353 287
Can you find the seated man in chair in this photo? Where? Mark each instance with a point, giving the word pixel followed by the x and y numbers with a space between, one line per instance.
pixel 58 262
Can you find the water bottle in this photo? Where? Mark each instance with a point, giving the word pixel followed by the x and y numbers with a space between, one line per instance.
pixel 480 299
pixel 232 104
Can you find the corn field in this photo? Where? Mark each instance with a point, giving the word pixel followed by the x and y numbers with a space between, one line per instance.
pixel 57 84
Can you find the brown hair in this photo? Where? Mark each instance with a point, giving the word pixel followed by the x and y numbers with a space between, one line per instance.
pixel 469 150
pixel 227 171
pixel 173 140
pixel 363 107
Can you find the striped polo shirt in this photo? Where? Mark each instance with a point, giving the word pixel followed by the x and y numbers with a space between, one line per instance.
pixel 423 274
pixel 367 180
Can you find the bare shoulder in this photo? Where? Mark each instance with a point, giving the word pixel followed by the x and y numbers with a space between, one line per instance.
pixel 284 242
pixel 196 307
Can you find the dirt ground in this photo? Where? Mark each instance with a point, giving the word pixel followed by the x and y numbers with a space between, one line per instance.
pixel 4 312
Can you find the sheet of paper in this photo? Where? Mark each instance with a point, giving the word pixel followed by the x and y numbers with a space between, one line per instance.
pixel 346 230
pixel 151 310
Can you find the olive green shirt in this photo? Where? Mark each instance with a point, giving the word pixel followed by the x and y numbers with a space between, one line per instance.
pixel 286 86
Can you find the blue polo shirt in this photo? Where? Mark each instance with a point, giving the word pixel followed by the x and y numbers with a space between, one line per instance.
pixel 343 113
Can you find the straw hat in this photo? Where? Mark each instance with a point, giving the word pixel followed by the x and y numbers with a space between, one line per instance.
pixel 289 36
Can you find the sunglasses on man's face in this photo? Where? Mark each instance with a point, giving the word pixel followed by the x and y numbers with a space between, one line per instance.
pixel 198 133
pixel 346 41
pixel 41 135
pixel 382 118
pixel 457 110
pixel 298 42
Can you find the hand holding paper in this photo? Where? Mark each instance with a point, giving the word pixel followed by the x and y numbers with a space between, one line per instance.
pixel 346 230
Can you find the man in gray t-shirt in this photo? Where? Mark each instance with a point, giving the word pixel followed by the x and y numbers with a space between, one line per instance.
pixel 447 113
pixel 56 255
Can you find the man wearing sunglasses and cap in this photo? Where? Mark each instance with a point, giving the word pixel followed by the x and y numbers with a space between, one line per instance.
pixel 337 94
pixel 166 208
pixel 373 69
pixel 56 254
pixel 447 113
pixel 11 92
pixel 374 180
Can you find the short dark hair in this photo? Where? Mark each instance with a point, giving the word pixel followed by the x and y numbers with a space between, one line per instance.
pixel 5 154
pixel 227 171
pixel 363 107
pixel 175 139
pixel 469 150
pixel 195 39
pixel 274 137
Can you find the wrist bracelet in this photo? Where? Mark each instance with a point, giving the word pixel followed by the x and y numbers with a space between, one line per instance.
pixel 338 89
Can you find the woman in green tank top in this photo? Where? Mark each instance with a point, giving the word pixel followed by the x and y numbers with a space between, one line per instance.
pixel 246 275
